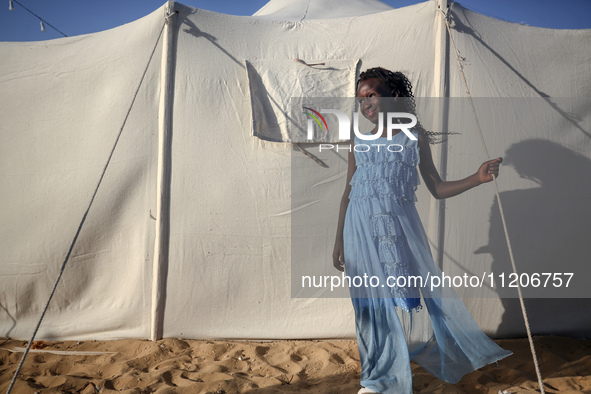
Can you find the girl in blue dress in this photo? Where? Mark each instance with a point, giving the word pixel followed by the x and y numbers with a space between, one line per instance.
pixel 380 235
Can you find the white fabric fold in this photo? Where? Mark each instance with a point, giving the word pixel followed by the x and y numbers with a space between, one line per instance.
pixel 273 84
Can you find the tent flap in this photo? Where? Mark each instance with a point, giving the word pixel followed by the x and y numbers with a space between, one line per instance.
pixel 274 84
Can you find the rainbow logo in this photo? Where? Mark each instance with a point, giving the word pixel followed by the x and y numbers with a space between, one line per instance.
pixel 315 115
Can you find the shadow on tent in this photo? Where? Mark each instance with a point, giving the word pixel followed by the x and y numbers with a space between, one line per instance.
pixel 549 228
pixel 457 25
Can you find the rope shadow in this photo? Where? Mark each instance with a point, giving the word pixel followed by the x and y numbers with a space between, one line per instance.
pixel 456 24
pixel 193 30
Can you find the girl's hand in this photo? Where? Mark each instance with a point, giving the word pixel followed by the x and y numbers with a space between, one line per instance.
pixel 338 256
pixel 489 170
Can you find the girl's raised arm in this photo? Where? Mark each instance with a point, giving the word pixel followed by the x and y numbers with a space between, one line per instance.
pixel 440 189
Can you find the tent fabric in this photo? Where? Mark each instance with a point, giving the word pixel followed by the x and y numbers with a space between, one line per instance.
pixel 275 85
pixel 63 104
pixel 287 10
pixel 240 228
pixel 235 198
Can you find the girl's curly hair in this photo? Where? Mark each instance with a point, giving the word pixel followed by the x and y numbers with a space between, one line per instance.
pixel 399 84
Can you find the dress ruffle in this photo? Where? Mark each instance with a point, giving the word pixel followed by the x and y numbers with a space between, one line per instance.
pixel 386 174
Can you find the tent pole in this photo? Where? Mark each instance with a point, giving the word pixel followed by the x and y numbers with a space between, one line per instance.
pixel 162 236
pixel 436 227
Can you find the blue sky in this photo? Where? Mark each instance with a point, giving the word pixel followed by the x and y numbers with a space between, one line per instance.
pixel 75 17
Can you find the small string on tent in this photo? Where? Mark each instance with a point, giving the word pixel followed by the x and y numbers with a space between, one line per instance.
pixel 67 258
pixel 498 197
pixel 42 21
pixel 309 64
pixel 311 156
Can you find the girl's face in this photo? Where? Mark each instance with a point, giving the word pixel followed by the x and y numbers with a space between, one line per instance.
pixel 369 94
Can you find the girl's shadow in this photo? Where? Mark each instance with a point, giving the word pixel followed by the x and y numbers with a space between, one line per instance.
pixel 550 228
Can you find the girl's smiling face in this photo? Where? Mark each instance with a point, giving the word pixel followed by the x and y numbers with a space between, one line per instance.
pixel 369 94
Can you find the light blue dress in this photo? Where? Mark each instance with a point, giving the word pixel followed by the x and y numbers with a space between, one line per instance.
pixel 402 320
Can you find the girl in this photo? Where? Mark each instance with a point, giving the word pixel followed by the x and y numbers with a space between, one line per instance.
pixel 379 234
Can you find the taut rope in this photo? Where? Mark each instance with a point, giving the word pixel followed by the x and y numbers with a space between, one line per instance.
pixel 524 312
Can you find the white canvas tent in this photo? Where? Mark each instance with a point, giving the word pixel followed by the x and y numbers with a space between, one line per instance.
pixel 288 10
pixel 189 231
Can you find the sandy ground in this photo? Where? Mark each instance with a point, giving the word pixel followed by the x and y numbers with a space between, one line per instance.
pixel 191 366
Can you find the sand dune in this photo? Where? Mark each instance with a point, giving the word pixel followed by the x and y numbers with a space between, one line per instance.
pixel 191 366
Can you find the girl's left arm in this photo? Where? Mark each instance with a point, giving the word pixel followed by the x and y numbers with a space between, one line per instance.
pixel 440 189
